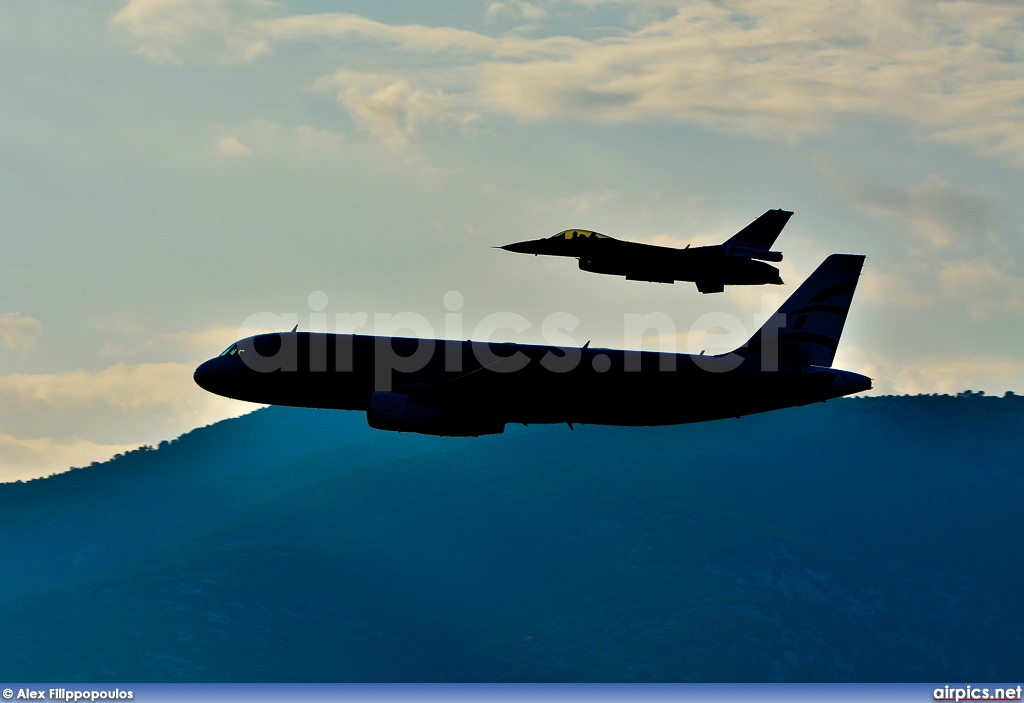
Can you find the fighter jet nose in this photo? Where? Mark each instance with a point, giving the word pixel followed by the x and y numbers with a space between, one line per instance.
pixel 530 247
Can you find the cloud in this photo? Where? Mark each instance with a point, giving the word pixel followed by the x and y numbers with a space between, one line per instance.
pixel 19 332
pixel 934 374
pixel 774 69
pixel 80 416
pixel 164 388
pixel 163 28
pixel 886 288
pixel 963 265
pixel 209 342
pixel 121 350
pixel 387 106
pixel 981 287
pixel 770 68
pixel 586 200
pixel 458 44
pixel 411 37
pixel 975 287
pixel 515 9
pixel 232 147
pixel 25 459
pixel 938 375
pixel 941 215
pixel 187 347
pixel 319 141
pixel 53 421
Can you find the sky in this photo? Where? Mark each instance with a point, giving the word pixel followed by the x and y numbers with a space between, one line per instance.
pixel 176 173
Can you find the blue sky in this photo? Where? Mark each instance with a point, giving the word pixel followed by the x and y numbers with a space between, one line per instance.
pixel 170 169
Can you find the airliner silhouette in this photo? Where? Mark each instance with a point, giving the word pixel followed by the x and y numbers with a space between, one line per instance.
pixel 467 388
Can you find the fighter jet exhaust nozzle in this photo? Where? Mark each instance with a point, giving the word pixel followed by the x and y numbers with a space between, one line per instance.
pixel 759 254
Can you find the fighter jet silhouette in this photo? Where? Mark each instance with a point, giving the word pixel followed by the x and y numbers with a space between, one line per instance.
pixel 737 262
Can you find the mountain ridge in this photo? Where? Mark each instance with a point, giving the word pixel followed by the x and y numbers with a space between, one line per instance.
pixel 864 539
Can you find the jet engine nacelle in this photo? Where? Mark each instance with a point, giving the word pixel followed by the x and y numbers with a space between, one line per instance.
pixel 401 412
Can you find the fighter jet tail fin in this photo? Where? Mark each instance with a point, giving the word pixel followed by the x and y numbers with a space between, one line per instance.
pixel 806 329
pixel 761 234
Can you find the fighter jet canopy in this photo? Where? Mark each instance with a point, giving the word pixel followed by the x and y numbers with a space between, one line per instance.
pixel 572 233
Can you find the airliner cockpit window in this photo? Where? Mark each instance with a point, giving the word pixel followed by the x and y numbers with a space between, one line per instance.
pixel 230 351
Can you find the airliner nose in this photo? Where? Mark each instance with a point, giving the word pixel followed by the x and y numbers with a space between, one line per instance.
pixel 206 374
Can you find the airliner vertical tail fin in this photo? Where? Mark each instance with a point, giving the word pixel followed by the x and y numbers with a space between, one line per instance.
pixel 806 329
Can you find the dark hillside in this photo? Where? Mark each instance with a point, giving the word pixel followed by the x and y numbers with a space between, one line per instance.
pixel 874 539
